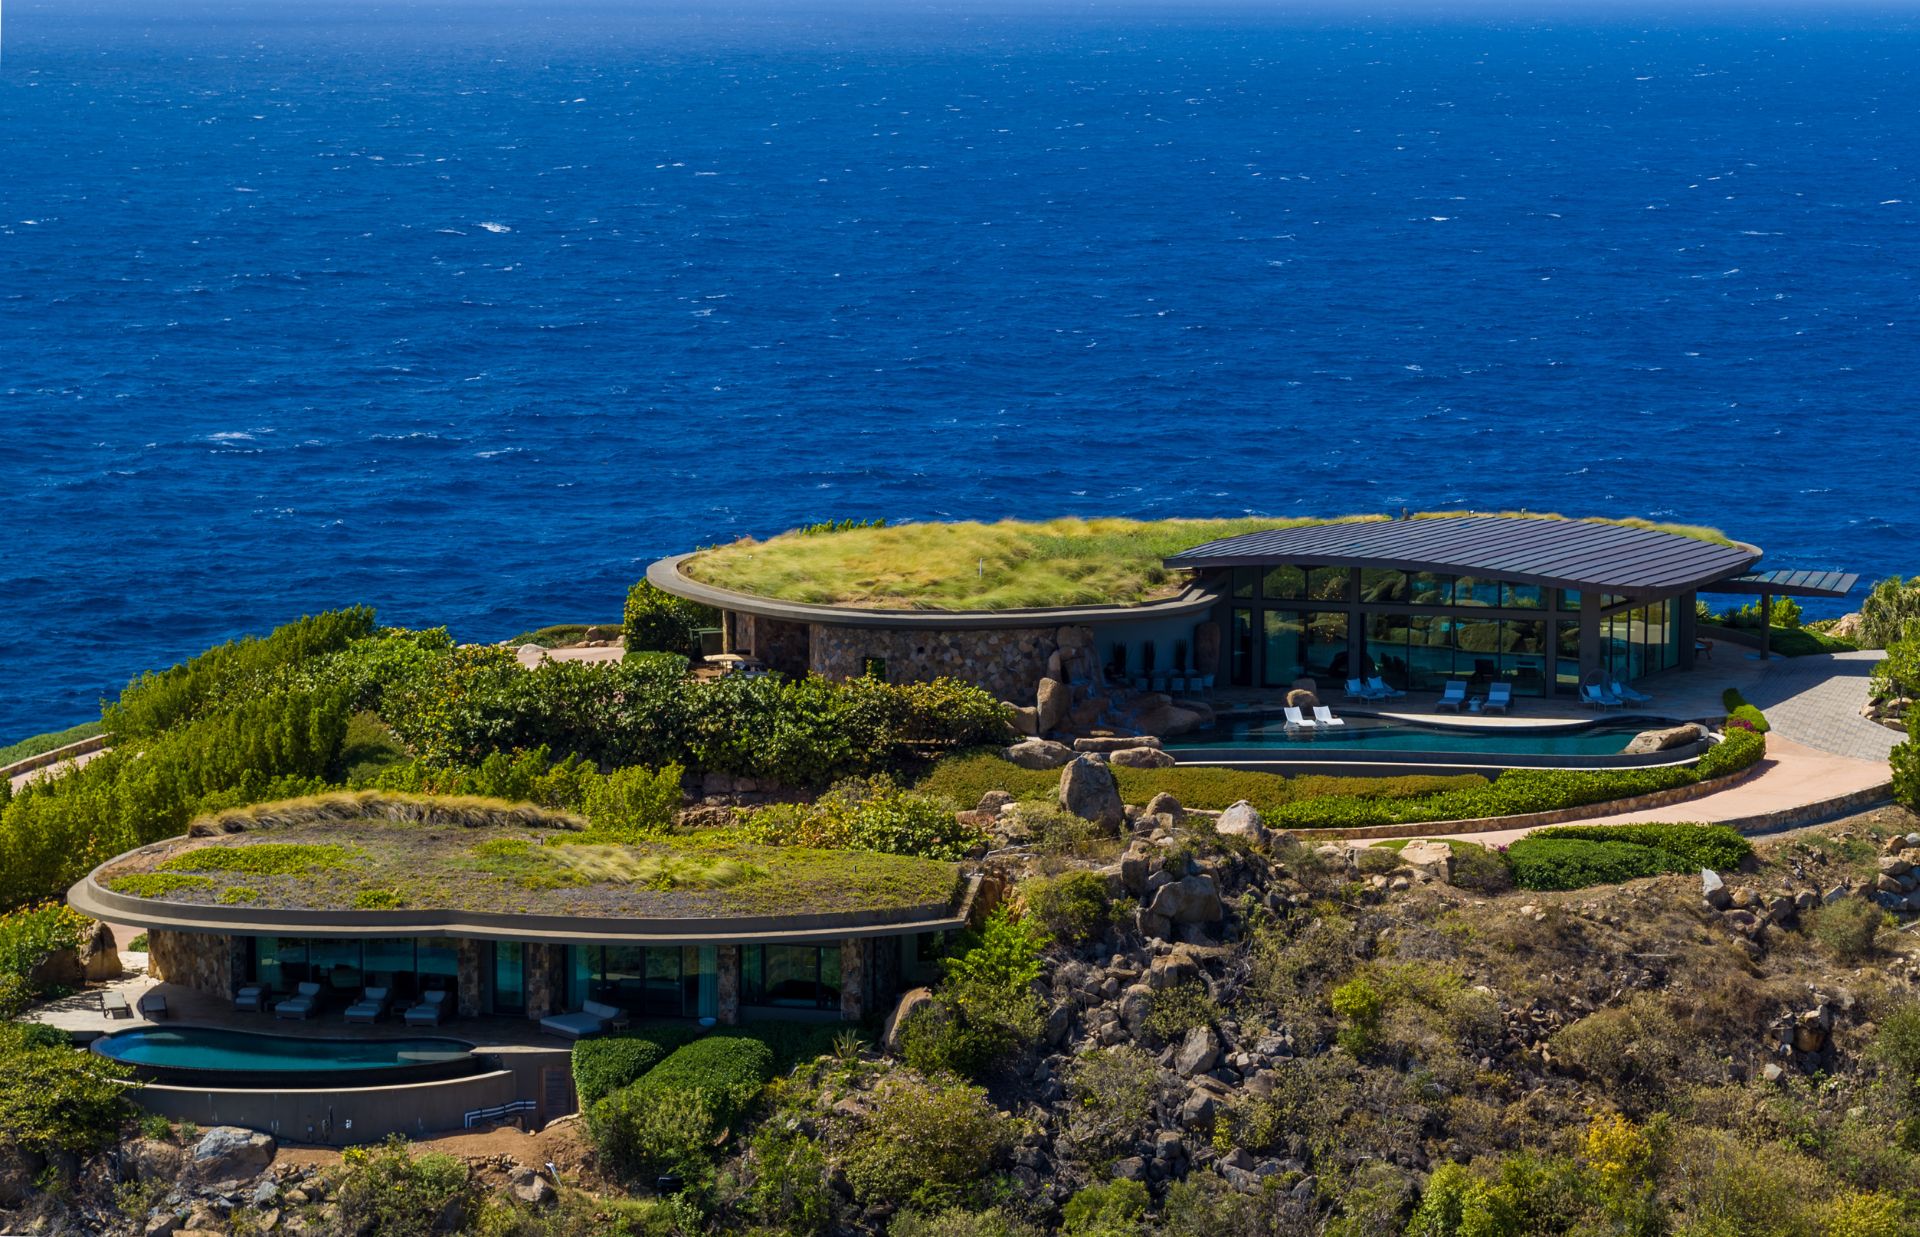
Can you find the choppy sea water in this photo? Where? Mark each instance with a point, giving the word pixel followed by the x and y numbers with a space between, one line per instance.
pixel 470 311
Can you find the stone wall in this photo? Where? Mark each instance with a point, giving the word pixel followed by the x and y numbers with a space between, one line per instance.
pixel 780 644
pixel 546 980
pixel 205 962
pixel 1007 662
pixel 854 979
pixel 728 985
pixel 472 972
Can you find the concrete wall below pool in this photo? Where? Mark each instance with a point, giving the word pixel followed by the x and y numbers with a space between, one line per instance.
pixel 344 1117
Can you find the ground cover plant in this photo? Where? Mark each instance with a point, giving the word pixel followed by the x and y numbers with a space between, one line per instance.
pixel 380 851
pixel 561 635
pixel 1005 565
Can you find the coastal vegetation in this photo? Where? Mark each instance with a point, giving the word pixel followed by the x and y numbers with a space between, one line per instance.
pixel 40 744
pixel 1012 564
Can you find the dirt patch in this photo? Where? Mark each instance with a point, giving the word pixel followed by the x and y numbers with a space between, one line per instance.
pixel 491 1153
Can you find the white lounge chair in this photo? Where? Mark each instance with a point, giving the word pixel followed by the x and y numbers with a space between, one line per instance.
pixel 1382 690
pixel 1499 698
pixel 251 998
pixel 1294 720
pixel 1323 716
pixel 1360 691
pixel 302 1004
pixel 430 1010
pixel 1453 697
pixel 1617 688
pixel 372 1004
pixel 593 1018
pixel 1593 694
pixel 114 1005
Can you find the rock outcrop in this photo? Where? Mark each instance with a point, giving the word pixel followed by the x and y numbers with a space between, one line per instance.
pixel 1088 791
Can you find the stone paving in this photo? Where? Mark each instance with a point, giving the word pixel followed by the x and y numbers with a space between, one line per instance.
pixel 1815 701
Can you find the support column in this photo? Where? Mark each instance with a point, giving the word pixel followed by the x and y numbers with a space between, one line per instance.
pixel 727 985
pixel 472 970
pixel 545 980
pixel 1766 622
pixel 1589 633
pixel 854 979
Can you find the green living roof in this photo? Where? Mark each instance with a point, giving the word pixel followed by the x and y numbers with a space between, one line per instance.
pixel 368 851
pixel 1013 564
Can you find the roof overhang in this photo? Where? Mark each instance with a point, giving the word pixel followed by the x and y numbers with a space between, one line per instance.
pixel 1788 584
pixel 1585 555
pixel 667 576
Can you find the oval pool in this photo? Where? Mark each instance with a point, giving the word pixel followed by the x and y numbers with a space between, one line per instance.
pixel 1597 743
pixel 216 1056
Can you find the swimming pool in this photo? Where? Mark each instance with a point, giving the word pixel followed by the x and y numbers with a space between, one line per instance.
pixel 1372 734
pixel 222 1057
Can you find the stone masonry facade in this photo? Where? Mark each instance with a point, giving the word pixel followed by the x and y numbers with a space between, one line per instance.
pixel 1007 662
pixel 206 962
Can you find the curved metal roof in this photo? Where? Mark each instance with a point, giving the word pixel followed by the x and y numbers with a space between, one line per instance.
pixel 1576 554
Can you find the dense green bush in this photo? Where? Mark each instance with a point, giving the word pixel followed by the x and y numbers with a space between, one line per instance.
pixel 605 1063
pixel 54 1100
pixel 870 814
pixel 1074 907
pixel 1115 1208
pixel 230 673
pixel 927 1144
pixel 960 1222
pixel 29 935
pixel 671 663
pixel 1890 612
pixel 984 1011
pixel 1575 863
pixel 791 1191
pixel 659 621
pixel 1850 928
pixel 1695 846
pixel 669 1119
pixel 389 1191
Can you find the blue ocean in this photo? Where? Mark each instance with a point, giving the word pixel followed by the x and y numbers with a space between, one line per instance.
pixel 468 311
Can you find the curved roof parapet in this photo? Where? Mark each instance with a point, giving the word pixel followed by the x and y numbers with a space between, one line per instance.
pixel 1574 554
pixel 666 576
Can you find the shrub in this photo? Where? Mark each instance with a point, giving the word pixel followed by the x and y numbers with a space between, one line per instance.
pixel 665 663
pixel 1358 1004
pixel 669 1119
pixel 1111 1209
pixel 657 620
pixel 1112 1092
pixel 1896 1046
pixel 1173 1012
pixel 1889 612
pixel 927 1144
pixel 54 1100
pixel 791 1191
pixel 1738 750
pixel 605 1063
pixel 390 1191
pixel 1575 863
pixel 959 1222
pixel 984 1011
pixel 1074 907
pixel 1697 846
pixel 29 936
pixel 1849 927
pixel 628 804
pixel 870 814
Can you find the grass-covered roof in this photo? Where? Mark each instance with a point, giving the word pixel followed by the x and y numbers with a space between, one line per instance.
pixel 375 851
pixel 1013 564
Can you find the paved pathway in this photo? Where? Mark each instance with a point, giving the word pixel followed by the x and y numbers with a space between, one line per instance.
pixel 1816 701
pixel 55 770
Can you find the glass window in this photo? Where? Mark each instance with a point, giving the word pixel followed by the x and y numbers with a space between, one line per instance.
pixel 1326 645
pixel 1241 650
pixel 1430 588
pixel 1382 587
pixel 335 964
pixel 700 981
pixel 791 976
pixel 1566 641
pixel 1245 580
pixel 281 962
pixel 1429 651
pixel 1476 591
pixel 1387 637
pixel 1523 597
pixel 1569 599
pixel 1523 662
pixel 437 964
pixel 1330 584
pixel 1479 656
pixel 1284 583
pixel 509 977
pixel 1281 638
pixel 390 966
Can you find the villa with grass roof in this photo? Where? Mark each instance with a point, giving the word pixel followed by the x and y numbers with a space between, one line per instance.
pixel 1104 609
pixel 521 912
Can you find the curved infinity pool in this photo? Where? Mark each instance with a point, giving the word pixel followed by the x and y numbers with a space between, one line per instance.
pixel 1372 734
pixel 215 1056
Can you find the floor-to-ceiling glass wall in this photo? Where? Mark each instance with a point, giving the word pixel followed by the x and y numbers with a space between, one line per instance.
pixel 662 981
pixel 405 966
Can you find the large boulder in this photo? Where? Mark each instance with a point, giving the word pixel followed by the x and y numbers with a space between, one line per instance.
pixel 1038 754
pixel 1242 820
pixel 530 1187
pixel 153 1159
pixel 1164 804
pixel 1026 718
pixel 1114 742
pixel 1665 739
pixel 1433 858
pixel 530 655
pixel 1160 714
pixel 1088 791
pixel 99 956
pixel 1191 899
pixel 229 1153
pixel 1198 1053
pixel 910 1003
pixel 1141 758
pixel 1052 699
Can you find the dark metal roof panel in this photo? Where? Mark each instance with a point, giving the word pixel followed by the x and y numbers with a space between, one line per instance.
pixel 1576 554
pixel 1790 583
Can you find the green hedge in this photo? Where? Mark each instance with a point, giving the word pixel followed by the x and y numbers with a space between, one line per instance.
pixel 670 1119
pixel 1576 856
pixel 604 1064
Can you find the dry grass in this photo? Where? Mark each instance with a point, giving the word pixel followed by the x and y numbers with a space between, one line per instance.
pixel 1013 564
pixel 359 806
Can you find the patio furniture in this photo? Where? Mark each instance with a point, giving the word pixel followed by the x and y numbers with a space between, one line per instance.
pixel 153 1007
pixel 1617 688
pixel 593 1018
pixel 250 999
pixel 431 1009
pixel 1599 698
pixel 1703 650
pixel 1499 698
pixel 1323 716
pixel 114 1005
pixel 1361 691
pixel 1452 698
pixel 372 1003
pixel 304 1002
pixel 1380 688
pixel 1295 721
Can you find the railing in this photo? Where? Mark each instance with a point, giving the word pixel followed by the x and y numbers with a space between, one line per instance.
pixel 481 1115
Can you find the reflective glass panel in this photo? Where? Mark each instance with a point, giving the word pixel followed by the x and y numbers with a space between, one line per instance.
pixel 1285 583
pixel 1281 633
pixel 1330 584
pixel 1476 591
pixel 1241 651
pixel 1523 597
pixel 1245 580
pixel 1326 645
pixel 1430 588
pixel 1382 587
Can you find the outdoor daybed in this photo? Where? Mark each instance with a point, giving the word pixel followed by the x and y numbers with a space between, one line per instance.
pixel 592 1019
pixel 302 1004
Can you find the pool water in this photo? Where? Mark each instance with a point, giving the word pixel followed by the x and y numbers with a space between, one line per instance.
pixel 213 1050
pixel 1604 738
